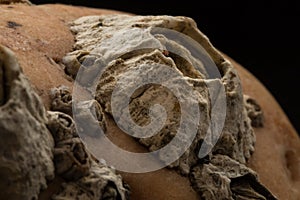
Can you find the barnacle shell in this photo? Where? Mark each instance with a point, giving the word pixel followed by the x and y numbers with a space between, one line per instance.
pixel 236 144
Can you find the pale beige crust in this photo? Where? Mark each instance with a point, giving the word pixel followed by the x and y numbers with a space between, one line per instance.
pixel 44 38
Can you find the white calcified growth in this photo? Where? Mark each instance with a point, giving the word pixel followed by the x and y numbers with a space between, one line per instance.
pixel 111 42
pixel 122 45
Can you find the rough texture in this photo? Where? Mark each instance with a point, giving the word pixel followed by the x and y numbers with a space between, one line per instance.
pixel 86 178
pixel 26 153
pixel 100 183
pixel 254 111
pixel 225 178
pixel 61 99
pixel 70 156
pixel 87 110
pixel 37 47
pixel 40 146
pixel 93 48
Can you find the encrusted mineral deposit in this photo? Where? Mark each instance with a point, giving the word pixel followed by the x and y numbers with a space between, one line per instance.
pixel 86 178
pixel 122 48
pixel 38 146
pixel 255 112
pixel 26 143
pixel 61 100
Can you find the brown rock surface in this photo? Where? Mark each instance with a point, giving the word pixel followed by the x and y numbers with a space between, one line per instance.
pixel 277 151
pixel 40 37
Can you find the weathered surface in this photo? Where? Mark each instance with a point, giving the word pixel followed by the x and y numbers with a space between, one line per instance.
pixel 225 178
pixel 70 157
pixel 38 146
pixel 72 62
pixel 61 99
pixel 86 178
pixel 26 143
pixel 88 111
pixel 254 111
pixel 136 46
pixel 100 183
pixel 37 47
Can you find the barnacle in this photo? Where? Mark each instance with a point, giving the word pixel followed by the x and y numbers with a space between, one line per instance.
pixel 122 58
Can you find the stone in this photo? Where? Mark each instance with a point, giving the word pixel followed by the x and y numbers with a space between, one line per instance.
pixel 91 114
pixel 39 48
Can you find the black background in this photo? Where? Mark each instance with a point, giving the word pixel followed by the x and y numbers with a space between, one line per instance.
pixel 262 36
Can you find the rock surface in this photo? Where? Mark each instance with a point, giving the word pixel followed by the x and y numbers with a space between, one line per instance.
pixel 39 47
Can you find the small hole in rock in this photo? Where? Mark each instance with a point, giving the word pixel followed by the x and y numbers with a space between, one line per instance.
pixel 292 165
pixel 13 25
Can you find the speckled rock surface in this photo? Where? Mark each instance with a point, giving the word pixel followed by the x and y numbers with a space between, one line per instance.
pixel 94 47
